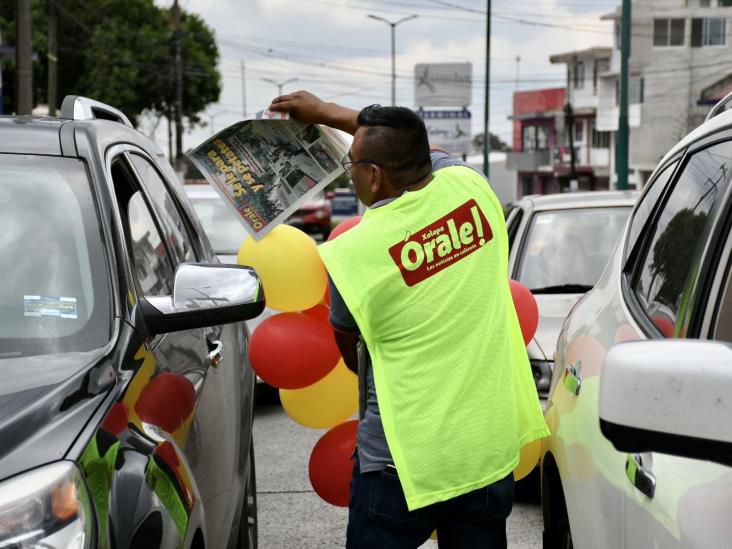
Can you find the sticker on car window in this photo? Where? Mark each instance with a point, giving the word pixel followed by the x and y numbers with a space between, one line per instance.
pixel 544 219
pixel 43 305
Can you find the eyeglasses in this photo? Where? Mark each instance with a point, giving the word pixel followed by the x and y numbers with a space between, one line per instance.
pixel 347 163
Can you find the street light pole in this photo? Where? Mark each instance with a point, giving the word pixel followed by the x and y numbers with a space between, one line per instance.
pixel 393 25
pixel 486 108
pixel 280 84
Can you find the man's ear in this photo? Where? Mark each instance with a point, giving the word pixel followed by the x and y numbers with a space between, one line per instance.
pixel 378 179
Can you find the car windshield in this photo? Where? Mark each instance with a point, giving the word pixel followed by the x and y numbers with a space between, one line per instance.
pixel 54 297
pixel 565 251
pixel 222 227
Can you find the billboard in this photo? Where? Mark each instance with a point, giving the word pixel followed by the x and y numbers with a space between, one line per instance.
pixel 448 130
pixel 443 84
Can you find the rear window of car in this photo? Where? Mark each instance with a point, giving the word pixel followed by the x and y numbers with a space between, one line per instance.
pixel 569 248
pixel 55 294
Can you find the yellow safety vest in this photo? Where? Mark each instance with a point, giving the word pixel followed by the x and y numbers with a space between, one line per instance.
pixel 425 278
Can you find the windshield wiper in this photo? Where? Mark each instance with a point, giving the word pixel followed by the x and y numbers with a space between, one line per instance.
pixel 563 289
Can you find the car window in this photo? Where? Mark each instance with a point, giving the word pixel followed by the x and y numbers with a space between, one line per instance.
pixel 179 239
pixel 723 328
pixel 221 224
pixel 54 295
pixel 667 273
pixel 513 220
pixel 646 205
pixel 565 251
pixel 152 263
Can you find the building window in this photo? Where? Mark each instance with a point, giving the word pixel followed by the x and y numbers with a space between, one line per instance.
pixel 578 77
pixel 600 140
pixel 579 132
pixel 618 37
pixel 669 32
pixel 708 32
pixel 705 3
pixel 535 138
pixel 636 90
pixel 725 3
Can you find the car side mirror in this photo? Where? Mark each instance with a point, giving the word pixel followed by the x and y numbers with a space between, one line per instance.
pixel 205 295
pixel 673 397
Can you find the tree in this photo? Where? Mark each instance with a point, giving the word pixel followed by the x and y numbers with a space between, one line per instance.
pixel 496 145
pixel 119 52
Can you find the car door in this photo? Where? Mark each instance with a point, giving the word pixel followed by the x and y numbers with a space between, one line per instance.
pixel 219 434
pixel 190 385
pixel 670 501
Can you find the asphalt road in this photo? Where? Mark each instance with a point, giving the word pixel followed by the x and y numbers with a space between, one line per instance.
pixel 291 515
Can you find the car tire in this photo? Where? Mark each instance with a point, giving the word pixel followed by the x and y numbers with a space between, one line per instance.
pixel 248 531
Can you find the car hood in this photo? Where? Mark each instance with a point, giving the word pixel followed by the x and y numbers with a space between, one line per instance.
pixel 45 401
pixel 553 309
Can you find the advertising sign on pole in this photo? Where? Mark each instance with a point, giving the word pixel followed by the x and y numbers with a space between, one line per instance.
pixel 448 130
pixel 443 84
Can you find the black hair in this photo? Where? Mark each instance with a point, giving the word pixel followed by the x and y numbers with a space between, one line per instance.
pixel 396 140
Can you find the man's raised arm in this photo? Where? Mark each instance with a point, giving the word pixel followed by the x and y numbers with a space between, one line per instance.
pixel 305 107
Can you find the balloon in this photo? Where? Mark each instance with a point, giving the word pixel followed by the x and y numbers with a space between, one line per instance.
pixel 331 463
pixel 526 309
pixel 528 460
pixel 330 401
pixel 319 312
pixel 287 261
pixel 344 225
pixel 292 350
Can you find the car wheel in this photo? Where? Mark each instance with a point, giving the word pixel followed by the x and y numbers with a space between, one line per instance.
pixel 248 521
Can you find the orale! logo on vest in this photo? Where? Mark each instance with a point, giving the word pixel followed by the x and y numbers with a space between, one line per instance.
pixel 442 243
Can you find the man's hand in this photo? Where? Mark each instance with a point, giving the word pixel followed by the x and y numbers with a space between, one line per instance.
pixel 305 107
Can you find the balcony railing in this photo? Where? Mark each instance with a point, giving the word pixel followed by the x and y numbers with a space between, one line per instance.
pixel 528 161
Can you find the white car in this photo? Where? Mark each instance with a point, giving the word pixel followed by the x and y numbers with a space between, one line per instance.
pixel 639 407
pixel 559 246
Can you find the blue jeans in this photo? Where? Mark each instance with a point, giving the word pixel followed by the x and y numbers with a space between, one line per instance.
pixel 378 517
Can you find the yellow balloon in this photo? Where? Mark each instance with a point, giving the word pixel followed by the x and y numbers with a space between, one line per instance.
pixel 529 458
pixel 325 404
pixel 287 260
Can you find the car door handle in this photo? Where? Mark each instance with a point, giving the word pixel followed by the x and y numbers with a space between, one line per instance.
pixel 572 378
pixel 642 479
pixel 216 354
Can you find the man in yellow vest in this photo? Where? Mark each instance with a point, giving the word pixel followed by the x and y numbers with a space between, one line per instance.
pixel 448 398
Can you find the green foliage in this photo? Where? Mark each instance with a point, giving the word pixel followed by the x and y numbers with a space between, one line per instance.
pixel 496 144
pixel 119 52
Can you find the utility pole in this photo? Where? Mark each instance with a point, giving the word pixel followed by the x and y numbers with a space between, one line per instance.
pixel 393 25
pixel 2 97
pixel 243 92
pixel 518 71
pixel 280 85
pixel 486 109
pixel 24 78
pixel 178 68
pixel 52 57
pixel 621 147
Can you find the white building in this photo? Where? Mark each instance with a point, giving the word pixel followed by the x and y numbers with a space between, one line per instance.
pixel 591 145
pixel 680 65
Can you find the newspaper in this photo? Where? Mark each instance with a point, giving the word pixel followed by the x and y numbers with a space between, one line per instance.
pixel 267 167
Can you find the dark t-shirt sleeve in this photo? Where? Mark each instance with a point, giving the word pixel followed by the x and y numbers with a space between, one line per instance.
pixel 340 317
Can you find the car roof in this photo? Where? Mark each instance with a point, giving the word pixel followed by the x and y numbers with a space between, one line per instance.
pixel 590 199
pixel 30 135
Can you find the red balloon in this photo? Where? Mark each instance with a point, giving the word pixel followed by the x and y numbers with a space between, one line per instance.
pixel 166 401
pixel 331 463
pixel 344 225
pixel 319 313
pixel 293 350
pixel 526 309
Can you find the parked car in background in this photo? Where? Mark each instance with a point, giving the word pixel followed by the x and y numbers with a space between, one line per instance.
pixel 343 204
pixel 639 452
pixel 225 232
pixel 559 245
pixel 126 395
pixel 313 217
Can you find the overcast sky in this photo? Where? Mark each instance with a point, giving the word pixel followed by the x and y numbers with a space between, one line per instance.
pixel 338 53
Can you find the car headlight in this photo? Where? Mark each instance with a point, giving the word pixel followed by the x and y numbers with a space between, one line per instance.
pixel 542 370
pixel 320 214
pixel 47 507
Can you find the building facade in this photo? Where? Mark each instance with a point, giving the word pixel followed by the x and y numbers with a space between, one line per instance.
pixel 680 65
